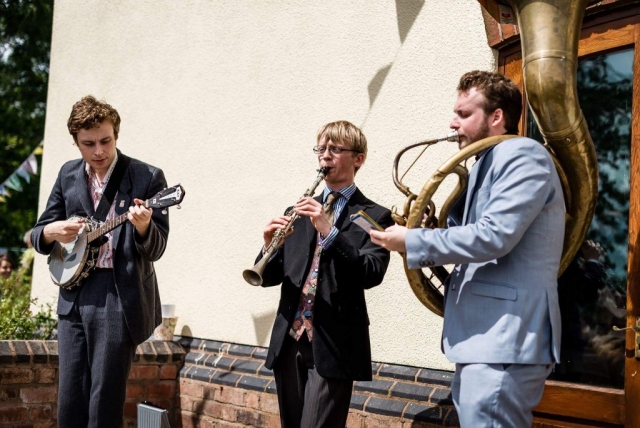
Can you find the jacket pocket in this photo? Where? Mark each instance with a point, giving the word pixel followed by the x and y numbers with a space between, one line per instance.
pixel 497 291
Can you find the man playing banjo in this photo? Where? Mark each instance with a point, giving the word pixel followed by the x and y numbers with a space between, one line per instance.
pixel 103 318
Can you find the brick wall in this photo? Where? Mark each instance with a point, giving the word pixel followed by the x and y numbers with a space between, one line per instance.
pixel 227 385
pixel 205 383
pixel 29 381
pixel 154 379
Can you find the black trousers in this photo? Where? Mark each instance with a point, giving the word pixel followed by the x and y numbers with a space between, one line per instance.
pixel 95 352
pixel 306 399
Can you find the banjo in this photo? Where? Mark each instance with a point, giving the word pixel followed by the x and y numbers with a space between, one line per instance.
pixel 70 263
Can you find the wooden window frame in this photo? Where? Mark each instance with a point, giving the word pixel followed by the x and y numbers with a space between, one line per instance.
pixel 606 28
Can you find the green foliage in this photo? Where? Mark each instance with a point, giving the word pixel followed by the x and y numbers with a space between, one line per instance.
pixel 16 319
pixel 25 42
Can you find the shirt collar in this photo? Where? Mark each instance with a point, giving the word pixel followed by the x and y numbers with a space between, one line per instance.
pixel 345 192
pixel 89 171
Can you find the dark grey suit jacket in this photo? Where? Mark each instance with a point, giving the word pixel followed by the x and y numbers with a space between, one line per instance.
pixel 135 276
pixel 341 347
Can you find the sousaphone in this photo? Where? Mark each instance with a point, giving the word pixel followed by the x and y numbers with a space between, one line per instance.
pixel 549 35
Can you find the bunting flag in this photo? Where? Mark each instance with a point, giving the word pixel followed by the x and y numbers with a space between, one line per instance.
pixel 13 182
pixel 26 169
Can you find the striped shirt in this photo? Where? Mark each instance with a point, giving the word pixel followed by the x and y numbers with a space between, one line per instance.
pixel 338 206
pixel 96 189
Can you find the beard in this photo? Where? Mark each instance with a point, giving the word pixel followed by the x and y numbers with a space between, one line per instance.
pixel 470 138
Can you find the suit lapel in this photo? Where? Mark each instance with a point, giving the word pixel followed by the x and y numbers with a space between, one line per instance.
pixel 473 181
pixel 356 203
pixel 312 233
pixel 83 189
pixel 122 201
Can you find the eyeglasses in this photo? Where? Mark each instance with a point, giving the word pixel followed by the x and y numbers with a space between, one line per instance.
pixel 319 150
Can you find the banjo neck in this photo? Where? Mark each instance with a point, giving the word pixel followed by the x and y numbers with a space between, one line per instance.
pixel 106 227
pixel 70 263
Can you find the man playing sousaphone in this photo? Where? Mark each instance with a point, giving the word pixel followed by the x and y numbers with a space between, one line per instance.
pixel 320 338
pixel 505 236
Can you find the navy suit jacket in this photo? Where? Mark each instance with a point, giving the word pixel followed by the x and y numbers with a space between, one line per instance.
pixel 135 277
pixel 341 347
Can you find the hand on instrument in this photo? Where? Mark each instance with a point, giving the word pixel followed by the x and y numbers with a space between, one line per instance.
pixel 63 231
pixel 140 217
pixel 393 238
pixel 311 208
pixel 273 226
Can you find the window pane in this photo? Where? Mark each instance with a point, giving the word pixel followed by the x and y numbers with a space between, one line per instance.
pixel 594 287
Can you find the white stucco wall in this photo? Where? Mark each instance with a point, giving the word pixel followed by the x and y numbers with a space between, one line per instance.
pixel 226 96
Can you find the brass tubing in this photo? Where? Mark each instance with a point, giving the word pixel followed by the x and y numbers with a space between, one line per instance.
pixel 550 36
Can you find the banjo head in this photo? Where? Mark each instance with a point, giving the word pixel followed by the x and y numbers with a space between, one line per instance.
pixel 67 261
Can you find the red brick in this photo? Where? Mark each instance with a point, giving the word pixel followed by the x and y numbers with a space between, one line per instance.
pixel 168 371
pixel 269 404
pixel 164 389
pixel 210 392
pixel 228 413
pixel 9 394
pixel 45 425
pixel 189 420
pixel 231 395
pixel 224 424
pixel 13 414
pixel 355 420
pixel 45 375
pixel 272 421
pixel 135 390
pixel 45 394
pixel 252 400
pixel 40 413
pixel 15 375
pixel 187 403
pixel 382 422
pixel 130 409
pixel 143 371
pixel 210 408
pixel 188 387
pixel 251 418
pixel 207 423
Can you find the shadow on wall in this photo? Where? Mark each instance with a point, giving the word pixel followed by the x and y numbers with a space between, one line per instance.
pixel 262 326
pixel 406 13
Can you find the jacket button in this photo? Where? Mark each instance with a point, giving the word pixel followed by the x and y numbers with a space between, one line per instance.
pixel 423 263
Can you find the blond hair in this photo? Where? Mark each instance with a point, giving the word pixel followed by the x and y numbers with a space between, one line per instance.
pixel 344 133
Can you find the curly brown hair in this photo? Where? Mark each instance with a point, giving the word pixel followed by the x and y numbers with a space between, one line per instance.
pixel 499 92
pixel 90 113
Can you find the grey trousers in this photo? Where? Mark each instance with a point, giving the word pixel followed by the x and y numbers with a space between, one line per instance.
pixel 498 395
pixel 306 399
pixel 95 352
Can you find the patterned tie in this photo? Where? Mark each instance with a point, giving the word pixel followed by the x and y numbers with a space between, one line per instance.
pixel 327 208
pixel 303 320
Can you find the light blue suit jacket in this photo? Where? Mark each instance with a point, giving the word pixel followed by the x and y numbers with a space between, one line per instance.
pixel 501 304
